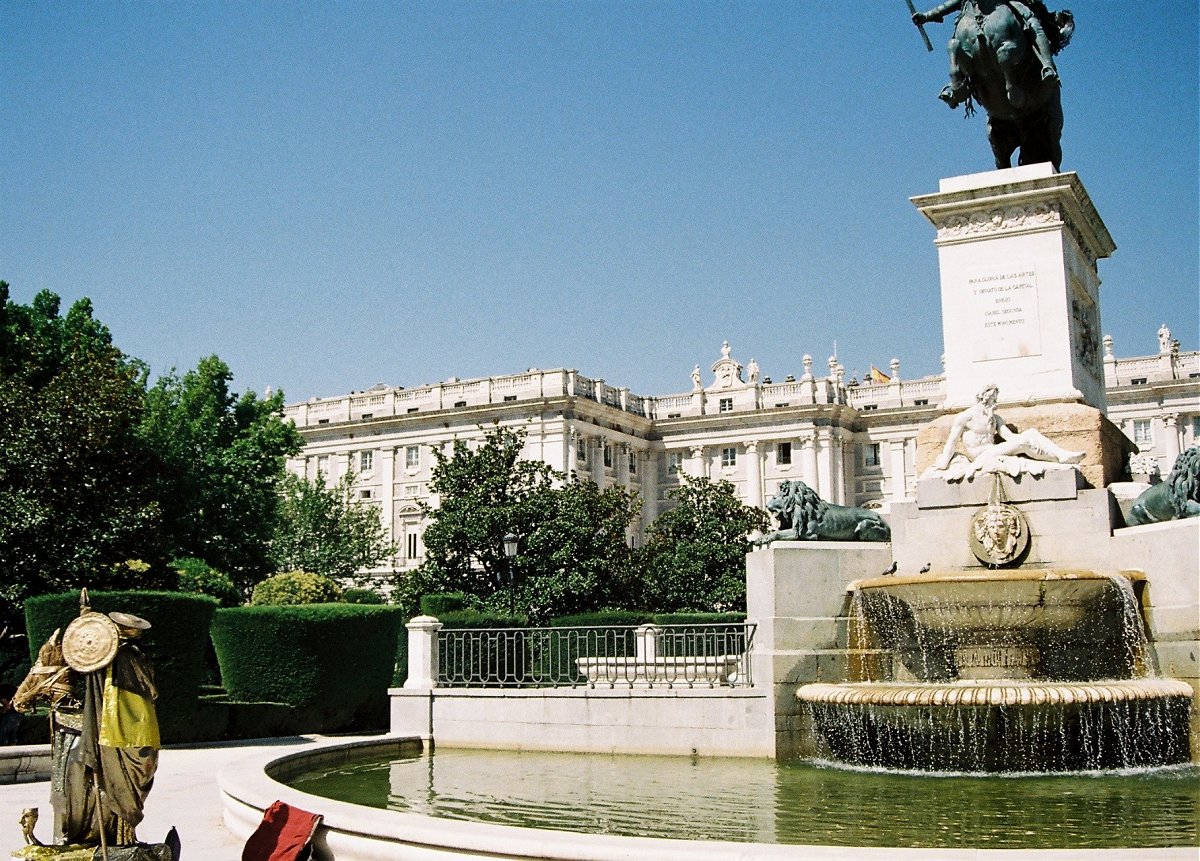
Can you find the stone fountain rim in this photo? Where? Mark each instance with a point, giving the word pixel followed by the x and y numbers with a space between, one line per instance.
pixel 992 692
pixel 984 575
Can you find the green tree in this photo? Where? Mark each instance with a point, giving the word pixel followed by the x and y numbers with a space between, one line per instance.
pixel 223 464
pixel 75 490
pixel 573 552
pixel 327 531
pixel 694 558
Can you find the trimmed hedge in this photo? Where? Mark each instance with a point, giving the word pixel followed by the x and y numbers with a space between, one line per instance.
pixel 175 643
pixel 333 662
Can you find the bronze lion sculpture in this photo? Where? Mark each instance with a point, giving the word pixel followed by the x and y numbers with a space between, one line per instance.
pixel 1174 499
pixel 804 516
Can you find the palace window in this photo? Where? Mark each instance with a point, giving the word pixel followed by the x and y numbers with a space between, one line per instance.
pixel 871 454
pixel 921 402
pixel 366 416
pixel 608 455
pixel 412 490
pixel 581 450
pixel 365 493
pixel 1139 381
pixel 869 407
pixel 728 457
pixel 633 463
pixel 323 464
pixel 412 545
pixel 674 462
pixel 510 398
pixel 366 461
pixel 460 403
pixel 674 415
pixel 725 405
pixel 783 453
pixel 412 456
pixel 1143 433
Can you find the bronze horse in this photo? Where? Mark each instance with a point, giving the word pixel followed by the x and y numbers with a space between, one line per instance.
pixel 998 59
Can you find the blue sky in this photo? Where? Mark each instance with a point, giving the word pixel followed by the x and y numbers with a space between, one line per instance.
pixel 330 195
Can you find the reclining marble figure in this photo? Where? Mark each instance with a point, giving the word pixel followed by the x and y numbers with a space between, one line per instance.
pixel 991 446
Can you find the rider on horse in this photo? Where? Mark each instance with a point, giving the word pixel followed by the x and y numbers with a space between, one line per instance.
pixel 1045 35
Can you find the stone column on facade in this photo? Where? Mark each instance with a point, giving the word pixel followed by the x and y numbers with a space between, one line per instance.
pixel 699 464
pixel 387 491
pixel 596 461
pixel 1170 440
pixel 648 471
pixel 754 474
pixel 621 455
pixel 598 390
pixel 572 458
pixel 808 471
pixel 837 458
pixel 824 465
pixel 898 470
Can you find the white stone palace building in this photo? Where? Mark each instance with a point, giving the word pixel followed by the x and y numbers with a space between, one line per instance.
pixel 855 443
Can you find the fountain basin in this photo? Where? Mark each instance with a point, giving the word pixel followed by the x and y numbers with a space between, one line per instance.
pixel 876 813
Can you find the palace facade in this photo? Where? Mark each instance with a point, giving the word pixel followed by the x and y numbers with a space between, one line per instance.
pixel 854 443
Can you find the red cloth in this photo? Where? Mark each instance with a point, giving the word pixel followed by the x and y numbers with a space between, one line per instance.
pixel 283 834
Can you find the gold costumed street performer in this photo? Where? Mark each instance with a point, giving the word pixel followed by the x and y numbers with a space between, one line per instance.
pixel 105 740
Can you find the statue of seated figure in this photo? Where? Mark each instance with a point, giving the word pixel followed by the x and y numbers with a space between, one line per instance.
pixel 992 447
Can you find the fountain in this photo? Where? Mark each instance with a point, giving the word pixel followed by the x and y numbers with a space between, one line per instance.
pixel 1026 670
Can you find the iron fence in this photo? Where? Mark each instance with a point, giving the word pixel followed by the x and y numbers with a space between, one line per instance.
pixel 712 655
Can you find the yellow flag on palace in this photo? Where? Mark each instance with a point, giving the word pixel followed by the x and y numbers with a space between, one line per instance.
pixel 878 376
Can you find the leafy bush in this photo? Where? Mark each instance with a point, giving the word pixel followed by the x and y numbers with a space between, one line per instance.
pixel 333 663
pixel 196 575
pixel 175 643
pixel 296 587
pixel 361 595
pixel 441 603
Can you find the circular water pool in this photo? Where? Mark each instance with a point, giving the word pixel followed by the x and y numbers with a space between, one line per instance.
pixel 760 801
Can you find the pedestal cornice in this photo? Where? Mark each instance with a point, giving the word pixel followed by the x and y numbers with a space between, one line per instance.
pixel 1015 206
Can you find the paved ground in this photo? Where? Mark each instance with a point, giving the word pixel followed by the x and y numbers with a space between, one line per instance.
pixel 184 795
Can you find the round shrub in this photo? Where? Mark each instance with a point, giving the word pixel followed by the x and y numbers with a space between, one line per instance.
pixel 175 643
pixel 196 575
pixel 296 587
pixel 359 595
pixel 331 662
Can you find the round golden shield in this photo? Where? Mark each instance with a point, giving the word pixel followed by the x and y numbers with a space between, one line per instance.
pixel 90 642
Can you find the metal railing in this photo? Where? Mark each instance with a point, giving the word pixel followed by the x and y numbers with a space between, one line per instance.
pixel 713 655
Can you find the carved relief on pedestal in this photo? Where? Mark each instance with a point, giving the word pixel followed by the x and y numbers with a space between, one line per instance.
pixel 999 219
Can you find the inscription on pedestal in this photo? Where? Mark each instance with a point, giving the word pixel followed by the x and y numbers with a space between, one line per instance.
pixel 1004 315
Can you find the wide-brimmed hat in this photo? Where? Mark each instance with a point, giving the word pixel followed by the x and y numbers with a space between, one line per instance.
pixel 128 620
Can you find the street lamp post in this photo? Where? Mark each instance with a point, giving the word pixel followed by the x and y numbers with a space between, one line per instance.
pixel 510 552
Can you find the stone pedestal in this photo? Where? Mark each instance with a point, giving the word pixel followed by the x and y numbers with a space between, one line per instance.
pixel 1074 426
pixel 796 592
pixel 1017 250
